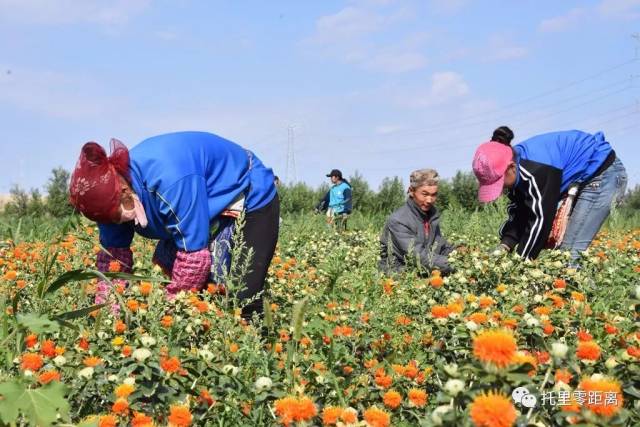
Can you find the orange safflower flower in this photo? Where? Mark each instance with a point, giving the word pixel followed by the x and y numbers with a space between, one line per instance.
pixel 563 375
pixel 120 327
pixel 170 365
pixel 206 398
pixel 31 340
pixel 133 305
pixel 21 284
pixel 478 318
pixel 349 416
pixel 610 329
pixel 439 312
pixel 31 361
pixel 141 420
pixel 547 327
pixel 377 417
pixel 180 416
pixel 126 351
pixel 48 348
pixel 47 376
pixel 584 335
pixel 611 396
pixel 347 370
pixel 202 306
pixel 166 321
pixel 10 275
pixel 382 379
pixel 436 281
pixel 392 399
pixel 577 296
pixel 92 361
pixel 510 323
pixel 492 409
pixel 588 350
pixel 403 320
pixel 559 284
pixel 114 266
pixel 108 421
pixel 411 370
pixel 233 348
pixel 485 302
pixel 518 309
pixel 418 398
pixel 542 310
pixel 291 409
pixel 120 406
pixel 83 344
pixel 146 288
pixel 331 415
pixel 497 346
pixel 124 390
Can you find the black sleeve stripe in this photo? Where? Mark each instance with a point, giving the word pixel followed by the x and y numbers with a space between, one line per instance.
pixel 537 211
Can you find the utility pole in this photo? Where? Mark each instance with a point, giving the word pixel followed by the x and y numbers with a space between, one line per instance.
pixel 636 36
pixel 290 174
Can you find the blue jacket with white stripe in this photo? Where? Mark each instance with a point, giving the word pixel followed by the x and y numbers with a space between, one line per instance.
pixel 186 179
pixel 547 165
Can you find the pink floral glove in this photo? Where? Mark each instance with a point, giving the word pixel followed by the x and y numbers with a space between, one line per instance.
pixel 191 270
pixel 124 257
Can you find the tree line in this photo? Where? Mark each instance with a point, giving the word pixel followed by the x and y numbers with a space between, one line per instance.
pixel 459 192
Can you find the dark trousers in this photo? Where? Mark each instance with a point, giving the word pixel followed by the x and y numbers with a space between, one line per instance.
pixel 260 233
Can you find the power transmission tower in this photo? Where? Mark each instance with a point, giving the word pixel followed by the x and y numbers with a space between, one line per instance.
pixel 290 171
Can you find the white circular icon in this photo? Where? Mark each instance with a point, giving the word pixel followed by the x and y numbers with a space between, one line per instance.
pixel 529 401
pixel 519 393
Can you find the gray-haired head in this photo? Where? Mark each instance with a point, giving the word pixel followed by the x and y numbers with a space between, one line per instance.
pixel 421 177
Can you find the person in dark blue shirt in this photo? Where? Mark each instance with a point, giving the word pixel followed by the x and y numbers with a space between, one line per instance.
pixel 578 168
pixel 177 188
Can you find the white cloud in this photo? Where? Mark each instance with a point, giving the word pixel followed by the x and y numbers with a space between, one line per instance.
pixel 621 9
pixel 445 86
pixel 564 22
pixel 346 36
pixel 501 48
pixel 388 129
pixel 50 12
pixel 346 25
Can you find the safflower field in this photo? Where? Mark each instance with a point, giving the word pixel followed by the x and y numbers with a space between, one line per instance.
pixel 340 344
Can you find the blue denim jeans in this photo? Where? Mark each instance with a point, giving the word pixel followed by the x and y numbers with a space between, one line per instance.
pixel 592 207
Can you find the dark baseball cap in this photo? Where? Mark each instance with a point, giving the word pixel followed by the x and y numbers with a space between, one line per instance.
pixel 335 172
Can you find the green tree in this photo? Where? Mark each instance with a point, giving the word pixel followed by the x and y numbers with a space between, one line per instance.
pixel 58 193
pixel 19 203
pixel 362 195
pixel 391 195
pixel 464 188
pixel 36 205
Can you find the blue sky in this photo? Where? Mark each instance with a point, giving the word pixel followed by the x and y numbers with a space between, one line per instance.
pixel 378 86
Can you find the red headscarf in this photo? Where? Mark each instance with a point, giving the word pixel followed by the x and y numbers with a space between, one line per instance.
pixel 95 187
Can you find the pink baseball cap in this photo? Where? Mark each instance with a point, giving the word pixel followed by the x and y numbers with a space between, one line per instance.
pixel 489 165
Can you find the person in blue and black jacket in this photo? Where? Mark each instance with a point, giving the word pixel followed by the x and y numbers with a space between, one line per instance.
pixel 539 172
pixel 185 190
pixel 338 201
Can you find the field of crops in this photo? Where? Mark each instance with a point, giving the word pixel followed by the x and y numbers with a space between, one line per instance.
pixel 339 345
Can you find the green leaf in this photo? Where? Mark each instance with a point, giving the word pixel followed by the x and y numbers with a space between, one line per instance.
pixel 69 315
pixel 8 411
pixel 37 323
pixel 69 276
pixel 40 406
